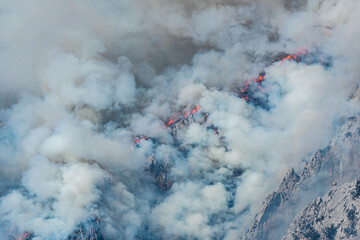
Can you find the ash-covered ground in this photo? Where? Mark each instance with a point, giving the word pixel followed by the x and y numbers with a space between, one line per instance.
pixel 176 119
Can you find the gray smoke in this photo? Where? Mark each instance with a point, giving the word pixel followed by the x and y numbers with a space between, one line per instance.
pixel 81 79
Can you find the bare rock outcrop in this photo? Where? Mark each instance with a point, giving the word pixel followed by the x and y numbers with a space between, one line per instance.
pixel 338 162
pixel 334 216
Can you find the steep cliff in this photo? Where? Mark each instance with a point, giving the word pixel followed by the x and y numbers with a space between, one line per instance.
pixel 338 162
pixel 333 216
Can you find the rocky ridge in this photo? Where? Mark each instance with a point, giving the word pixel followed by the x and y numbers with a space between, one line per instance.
pixel 334 216
pixel 338 162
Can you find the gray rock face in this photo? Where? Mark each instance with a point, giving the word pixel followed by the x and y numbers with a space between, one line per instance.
pixel 338 162
pixel 333 216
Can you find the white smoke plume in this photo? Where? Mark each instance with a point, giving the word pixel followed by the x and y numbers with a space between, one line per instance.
pixel 81 79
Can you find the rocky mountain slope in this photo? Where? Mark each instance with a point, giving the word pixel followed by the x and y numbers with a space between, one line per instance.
pixel 338 162
pixel 333 216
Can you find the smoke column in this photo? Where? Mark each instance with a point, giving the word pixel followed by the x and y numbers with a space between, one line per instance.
pixel 80 80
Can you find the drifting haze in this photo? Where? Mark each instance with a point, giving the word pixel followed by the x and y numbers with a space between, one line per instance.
pixel 80 79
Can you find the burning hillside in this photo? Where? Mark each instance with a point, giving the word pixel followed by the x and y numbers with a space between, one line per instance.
pixel 168 119
pixel 253 90
pixel 183 115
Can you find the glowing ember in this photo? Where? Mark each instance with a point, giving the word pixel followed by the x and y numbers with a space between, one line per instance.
pixel 245 92
pixel 26 236
pixel 174 119
pixel 170 122
pixel 289 57
pixel 179 116
pixel 139 139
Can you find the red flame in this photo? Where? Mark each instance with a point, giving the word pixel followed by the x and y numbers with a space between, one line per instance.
pixel 170 122
pixel 289 57
pixel 262 76
pixel 176 117
pixel 24 236
pixel 195 110
pixel 139 139
pixel 260 79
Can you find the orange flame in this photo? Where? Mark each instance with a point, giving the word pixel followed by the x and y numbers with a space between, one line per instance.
pixel 172 120
pixel 289 57
pixel 260 79
pixel 24 236
pixel 262 76
pixel 176 117
pixel 136 141
pixel 195 109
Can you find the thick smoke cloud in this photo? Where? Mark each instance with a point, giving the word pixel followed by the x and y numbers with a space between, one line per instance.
pixel 81 79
